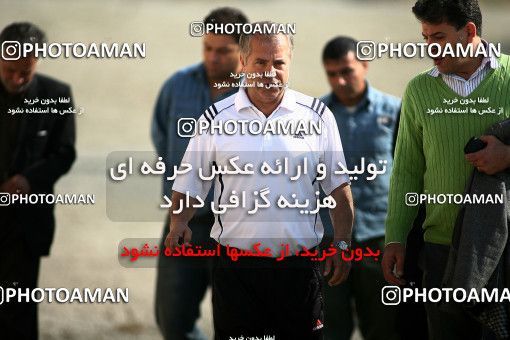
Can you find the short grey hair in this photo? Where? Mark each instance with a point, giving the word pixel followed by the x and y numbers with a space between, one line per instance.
pixel 245 40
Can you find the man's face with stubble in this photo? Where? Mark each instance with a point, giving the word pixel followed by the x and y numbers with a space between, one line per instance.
pixel 16 75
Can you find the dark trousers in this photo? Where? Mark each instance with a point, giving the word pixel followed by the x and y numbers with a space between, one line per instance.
pixel 19 268
pixel 360 298
pixel 452 324
pixel 411 316
pixel 257 297
pixel 181 284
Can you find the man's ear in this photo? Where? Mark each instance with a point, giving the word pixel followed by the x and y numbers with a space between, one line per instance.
pixel 471 31
pixel 242 61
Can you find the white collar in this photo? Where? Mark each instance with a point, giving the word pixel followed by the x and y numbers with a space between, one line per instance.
pixel 242 101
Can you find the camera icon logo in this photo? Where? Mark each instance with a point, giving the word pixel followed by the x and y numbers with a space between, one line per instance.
pixel 412 199
pixel 11 50
pixel 390 295
pixel 365 50
pixel 186 127
pixel 197 29
pixel 5 199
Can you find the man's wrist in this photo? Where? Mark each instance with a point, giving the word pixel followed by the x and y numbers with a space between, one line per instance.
pixel 342 243
pixel 177 222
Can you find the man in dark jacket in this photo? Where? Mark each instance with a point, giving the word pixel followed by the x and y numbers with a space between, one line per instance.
pixel 36 149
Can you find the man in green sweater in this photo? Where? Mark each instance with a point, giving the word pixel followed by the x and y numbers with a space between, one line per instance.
pixel 442 109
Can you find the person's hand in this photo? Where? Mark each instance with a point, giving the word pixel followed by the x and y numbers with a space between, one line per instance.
pixel 340 268
pixel 393 263
pixel 17 184
pixel 494 158
pixel 177 230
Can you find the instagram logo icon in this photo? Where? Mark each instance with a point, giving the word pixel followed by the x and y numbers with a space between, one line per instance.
pixel 196 29
pixel 11 50
pixel 186 127
pixel 390 295
pixel 365 50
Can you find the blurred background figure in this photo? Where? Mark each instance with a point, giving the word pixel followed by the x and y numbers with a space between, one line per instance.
pixel 366 119
pixel 36 149
pixel 182 283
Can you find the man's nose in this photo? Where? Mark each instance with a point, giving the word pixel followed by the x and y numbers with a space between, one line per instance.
pixel 434 49
pixel 270 72
pixel 18 79
pixel 213 57
pixel 340 81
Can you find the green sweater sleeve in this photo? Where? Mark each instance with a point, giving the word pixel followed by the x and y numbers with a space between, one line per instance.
pixel 408 169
